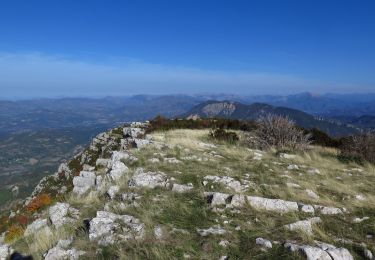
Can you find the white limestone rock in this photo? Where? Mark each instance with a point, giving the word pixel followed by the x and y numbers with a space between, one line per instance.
pixel 133 132
pixel 227 181
pixel 328 210
pixel 238 201
pixel 108 228
pixel 277 205
pixel 312 194
pixel 83 182
pixel 112 191
pixel 217 198
pixel 216 230
pixel 58 253
pixel 158 232
pixel 5 251
pixel 264 243
pixel 148 179
pixel 287 156
pixel 118 170
pixel 172 160
pixel 304 225
pixel 180 188
pixel 293 167
pixel 62 213
pixel 103 163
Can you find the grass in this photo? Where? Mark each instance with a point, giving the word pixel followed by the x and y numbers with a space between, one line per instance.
pixel 180 215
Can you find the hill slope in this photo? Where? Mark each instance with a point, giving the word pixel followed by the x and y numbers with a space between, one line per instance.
pixel 179 194
pixel 235 110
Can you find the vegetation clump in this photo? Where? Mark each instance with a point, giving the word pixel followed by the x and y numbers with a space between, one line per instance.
pixel 14 232
pixel 359 148
pixel 279 132
pixel 39 202
pixel 223 135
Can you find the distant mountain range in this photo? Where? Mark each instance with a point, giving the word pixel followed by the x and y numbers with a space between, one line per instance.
pixel 236 110
pixel 30 129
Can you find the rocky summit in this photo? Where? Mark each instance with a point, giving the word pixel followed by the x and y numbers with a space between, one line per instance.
pixel 179 194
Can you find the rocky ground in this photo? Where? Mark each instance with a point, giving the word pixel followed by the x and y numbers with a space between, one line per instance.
pixel 180 195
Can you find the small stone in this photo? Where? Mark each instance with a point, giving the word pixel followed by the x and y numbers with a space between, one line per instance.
pixel 158 232
pixel 182 188
pixel 224 243
pixel 263 242
pixel 216 230
pixel 312 194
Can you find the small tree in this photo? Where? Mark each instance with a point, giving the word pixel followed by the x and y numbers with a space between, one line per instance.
pixel 279 132
pixel 360 147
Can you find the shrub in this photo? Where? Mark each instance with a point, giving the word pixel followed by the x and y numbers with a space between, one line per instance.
pixel 223 135
pixel 39 202
pixel 319 137
pixel 359 148
pixel 164 124
pixel 279 132
pixel 13 233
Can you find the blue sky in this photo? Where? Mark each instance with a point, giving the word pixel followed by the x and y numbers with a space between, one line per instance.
pixel 95 48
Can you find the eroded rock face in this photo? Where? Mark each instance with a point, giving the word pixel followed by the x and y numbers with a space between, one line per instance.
pixel 272 204
pixel 108 228
pixel 62 213
pixel 148 179
pixel 118 170
pixel 83 182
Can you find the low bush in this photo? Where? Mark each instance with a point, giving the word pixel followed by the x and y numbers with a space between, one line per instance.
pixel 14 232
pixel 359 148
pixel 164 124
pixel 39 202
pixel 279 132
pixel 223 135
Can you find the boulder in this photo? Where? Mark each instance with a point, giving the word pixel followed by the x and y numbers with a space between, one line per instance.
pixel 112 191
pixel 148 179
pixel 277 205
pixel 83 182
pixel 118 170
pixel 62 213
pixel 304 225
pixel 109 228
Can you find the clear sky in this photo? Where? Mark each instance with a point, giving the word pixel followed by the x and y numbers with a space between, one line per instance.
pixel 93 48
